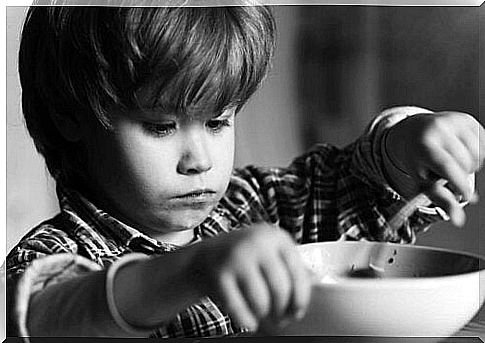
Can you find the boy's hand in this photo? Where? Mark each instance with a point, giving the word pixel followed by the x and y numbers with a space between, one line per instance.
pixel 255 273
pixel 445 145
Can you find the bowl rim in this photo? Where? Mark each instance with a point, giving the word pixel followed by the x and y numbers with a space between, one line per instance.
pixel 425 282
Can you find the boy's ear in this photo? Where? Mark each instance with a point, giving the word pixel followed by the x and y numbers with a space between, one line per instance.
pixel 68 125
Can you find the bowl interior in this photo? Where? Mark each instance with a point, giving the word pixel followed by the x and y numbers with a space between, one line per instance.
pixel 340 259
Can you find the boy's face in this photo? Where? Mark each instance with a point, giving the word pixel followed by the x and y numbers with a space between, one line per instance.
pixel 162 174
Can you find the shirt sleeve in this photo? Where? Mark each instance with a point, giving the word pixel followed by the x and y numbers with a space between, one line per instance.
pixel 330 193
pixel 53 291
pixel 41 242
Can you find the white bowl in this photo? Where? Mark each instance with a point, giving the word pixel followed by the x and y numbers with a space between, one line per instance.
pixel 424 292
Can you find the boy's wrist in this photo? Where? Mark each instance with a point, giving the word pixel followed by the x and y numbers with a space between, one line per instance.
pixel 110 293
pixel 151 292
pixel 396 176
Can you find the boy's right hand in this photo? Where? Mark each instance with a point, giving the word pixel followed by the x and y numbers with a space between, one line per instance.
pixel 255 274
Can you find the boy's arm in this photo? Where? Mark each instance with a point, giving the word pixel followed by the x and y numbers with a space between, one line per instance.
pixel 53 291
pixel 253 273
pixel 331 193
pixel 105 302
pixel 69 295
pixel 372 163
pixel 50 289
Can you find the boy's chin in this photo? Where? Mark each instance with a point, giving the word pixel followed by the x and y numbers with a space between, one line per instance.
pixel 187 220
pixel 175 229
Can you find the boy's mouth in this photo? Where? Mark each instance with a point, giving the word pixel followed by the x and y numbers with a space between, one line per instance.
pixel 202 195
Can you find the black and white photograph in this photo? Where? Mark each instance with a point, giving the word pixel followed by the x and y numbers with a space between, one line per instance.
pixel 244 169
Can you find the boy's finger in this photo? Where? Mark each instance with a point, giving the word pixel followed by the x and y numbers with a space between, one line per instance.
pixel 256 293
pixel 278 281
pixel 481 138
pixel 447 168
pixel 301 283
pixel 479 133
pixel 235 304
pixel 472 143
pixel 463 152
pixel 481 145
pixel 445 199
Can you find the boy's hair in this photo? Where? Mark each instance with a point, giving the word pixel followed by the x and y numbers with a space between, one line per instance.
pixel 90 60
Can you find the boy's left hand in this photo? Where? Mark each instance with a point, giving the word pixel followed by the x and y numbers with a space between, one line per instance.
pixel 444 145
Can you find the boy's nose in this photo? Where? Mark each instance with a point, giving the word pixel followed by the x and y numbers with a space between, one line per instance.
pixel 195 158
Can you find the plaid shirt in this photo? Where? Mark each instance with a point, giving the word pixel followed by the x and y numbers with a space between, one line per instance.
pixel 326 194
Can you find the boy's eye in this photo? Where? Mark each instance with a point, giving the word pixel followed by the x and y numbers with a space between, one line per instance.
pixel 216 125
pixel 159 129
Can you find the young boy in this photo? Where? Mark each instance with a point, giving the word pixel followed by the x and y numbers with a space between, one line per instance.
pixel 134 111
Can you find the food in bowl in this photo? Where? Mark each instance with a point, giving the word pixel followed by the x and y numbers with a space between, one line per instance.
pixel 418 291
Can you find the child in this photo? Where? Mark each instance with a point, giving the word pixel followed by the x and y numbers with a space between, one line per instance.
pixel 134 111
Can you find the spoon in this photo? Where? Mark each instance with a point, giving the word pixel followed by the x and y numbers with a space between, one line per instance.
pixel 376 269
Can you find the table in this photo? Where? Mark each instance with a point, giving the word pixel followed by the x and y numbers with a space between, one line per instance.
pixel 474 332
pixel 476 328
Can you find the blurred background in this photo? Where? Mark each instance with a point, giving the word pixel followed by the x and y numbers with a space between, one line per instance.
pixel 336 67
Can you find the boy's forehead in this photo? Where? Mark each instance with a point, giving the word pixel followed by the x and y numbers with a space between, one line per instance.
pixel 150 104
pixel 160 113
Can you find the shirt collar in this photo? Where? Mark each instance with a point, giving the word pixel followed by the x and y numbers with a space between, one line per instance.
pixel 74 202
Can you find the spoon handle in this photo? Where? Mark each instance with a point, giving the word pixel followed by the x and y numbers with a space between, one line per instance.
pixel 396 222
pixel 417 201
